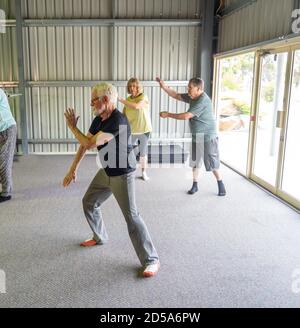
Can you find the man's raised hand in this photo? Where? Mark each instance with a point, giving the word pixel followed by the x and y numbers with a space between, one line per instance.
pixel 71 118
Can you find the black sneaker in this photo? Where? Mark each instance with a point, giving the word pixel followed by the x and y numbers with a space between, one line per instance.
pixel 193 190
pixel 222 190
pixel 4 198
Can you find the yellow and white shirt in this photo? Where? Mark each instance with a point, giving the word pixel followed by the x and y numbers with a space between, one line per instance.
pixel 139 119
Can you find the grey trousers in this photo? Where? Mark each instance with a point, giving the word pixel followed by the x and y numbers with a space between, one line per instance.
pixel 142 148
pixel 7 148
pixel 123 188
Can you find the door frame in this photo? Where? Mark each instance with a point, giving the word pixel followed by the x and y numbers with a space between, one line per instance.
pixel 257 82
pixel 282 194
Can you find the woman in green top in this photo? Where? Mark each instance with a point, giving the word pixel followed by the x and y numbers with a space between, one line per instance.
pixel 136 109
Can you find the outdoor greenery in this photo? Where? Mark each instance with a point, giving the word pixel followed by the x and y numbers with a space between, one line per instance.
pixel 236 72
pixel 236 81
pixel 242 106
pixel 237 78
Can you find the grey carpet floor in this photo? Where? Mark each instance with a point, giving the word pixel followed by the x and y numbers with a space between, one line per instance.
pixel 241 250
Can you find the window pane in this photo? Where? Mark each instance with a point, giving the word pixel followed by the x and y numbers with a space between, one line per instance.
pixel 233 106
pixel 291 173
pixel 270 103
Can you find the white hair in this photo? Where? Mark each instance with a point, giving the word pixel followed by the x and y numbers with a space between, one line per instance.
pixel 106 89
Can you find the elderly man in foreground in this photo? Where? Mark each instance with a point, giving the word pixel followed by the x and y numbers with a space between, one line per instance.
pixel 110 133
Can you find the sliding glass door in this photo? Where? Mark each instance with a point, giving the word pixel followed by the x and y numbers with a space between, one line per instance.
pixel 269 116
pixel 257 102
pixel 291 166
pixel 233 108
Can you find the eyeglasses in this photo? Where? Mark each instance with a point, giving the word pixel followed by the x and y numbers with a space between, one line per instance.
pixel 94 99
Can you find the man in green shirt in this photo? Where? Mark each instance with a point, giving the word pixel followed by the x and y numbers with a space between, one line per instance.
pixel 203 128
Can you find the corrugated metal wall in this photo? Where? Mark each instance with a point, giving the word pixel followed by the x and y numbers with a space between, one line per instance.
pixel 8 46
pixel 158 9
pixel 67 53
pixel 103 8
pixel 148 52
pixel 9 7
pixel 60 62
pixel 84 53
pixel 47 104
pixel 48 9
pixel 261 21
pixel 8 55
